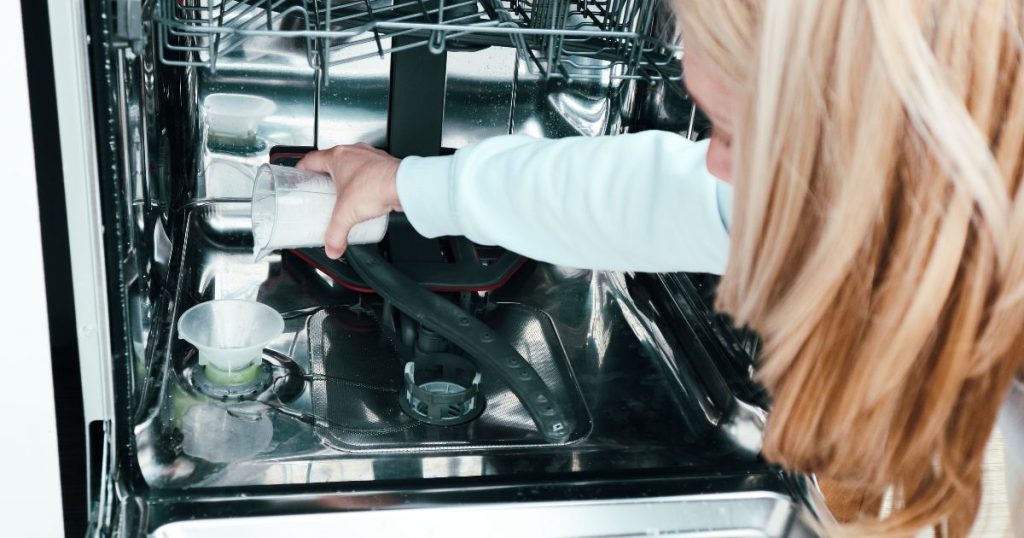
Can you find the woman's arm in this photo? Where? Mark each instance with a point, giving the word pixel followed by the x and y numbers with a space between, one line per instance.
pixel 636 202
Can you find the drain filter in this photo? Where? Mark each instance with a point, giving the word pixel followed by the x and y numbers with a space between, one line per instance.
pixel 442 389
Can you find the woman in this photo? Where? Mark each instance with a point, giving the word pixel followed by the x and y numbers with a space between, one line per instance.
pixel 875 239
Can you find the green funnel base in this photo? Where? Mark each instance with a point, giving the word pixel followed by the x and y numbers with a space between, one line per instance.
pixel 237 377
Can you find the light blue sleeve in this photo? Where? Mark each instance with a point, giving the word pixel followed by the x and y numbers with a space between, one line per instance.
pixel 633 202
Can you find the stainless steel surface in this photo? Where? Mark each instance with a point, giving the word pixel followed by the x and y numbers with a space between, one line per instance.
pixel 268 69
pixel 358 387
pixel 479 95
pixel 744 515
pixel 556 108
pixel 638 421
pixel 351 107
pixel 745 427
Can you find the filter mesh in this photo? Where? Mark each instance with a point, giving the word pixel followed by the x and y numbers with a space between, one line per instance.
pixel 358 378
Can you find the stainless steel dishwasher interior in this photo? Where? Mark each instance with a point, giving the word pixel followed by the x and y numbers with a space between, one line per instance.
pixel 627 353
pixel 619 381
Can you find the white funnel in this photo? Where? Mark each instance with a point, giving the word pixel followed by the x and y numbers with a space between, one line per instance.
pixel 229 334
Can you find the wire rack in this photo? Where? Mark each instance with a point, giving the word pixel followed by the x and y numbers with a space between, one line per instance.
pixel 568 39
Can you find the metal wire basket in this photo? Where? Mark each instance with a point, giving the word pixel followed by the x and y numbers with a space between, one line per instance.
pixel 568 39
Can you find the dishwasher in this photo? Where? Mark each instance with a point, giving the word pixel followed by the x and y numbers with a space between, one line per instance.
pixel 575 403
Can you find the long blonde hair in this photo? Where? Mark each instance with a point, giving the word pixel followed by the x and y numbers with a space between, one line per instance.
pixel 878 234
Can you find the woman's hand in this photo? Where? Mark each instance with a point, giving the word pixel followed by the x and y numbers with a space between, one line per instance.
pixel 367 188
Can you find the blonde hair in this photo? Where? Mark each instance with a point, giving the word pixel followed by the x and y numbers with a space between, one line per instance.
pixel 878 235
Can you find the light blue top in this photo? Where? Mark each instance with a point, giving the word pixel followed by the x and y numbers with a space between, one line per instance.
pixel 636 202
pixel 633 202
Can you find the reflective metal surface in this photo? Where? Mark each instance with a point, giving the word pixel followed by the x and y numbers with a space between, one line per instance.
pixel 728 515
pixel 479 95
pixel 266 71
pixel 640 416
pixel 359 385
pixel 557 108
pixel 666 387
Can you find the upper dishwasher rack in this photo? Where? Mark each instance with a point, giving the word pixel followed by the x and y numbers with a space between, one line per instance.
pixel 567 39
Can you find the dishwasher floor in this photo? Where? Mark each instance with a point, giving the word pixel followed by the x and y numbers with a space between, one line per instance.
pixel 330 409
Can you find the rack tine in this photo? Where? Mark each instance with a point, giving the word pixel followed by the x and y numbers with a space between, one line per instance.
pixel 376 33
pixel 325 51
pixel 436 44
pixel 215 42
pixel 311 49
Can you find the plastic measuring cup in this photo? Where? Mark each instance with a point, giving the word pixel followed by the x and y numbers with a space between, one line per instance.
pixel 292 208
pixel 230 334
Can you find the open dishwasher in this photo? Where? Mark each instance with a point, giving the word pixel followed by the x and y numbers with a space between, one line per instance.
pixel 418 386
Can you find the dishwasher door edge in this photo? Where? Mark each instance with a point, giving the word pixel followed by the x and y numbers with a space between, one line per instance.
pixel 71 70
pixel 82 195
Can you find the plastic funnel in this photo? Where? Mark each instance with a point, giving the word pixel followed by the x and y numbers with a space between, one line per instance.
pixel 230 335
pixel 292 208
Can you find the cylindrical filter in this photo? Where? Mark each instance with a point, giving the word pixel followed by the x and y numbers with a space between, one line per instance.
pixel 442 389
pixel 292 208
